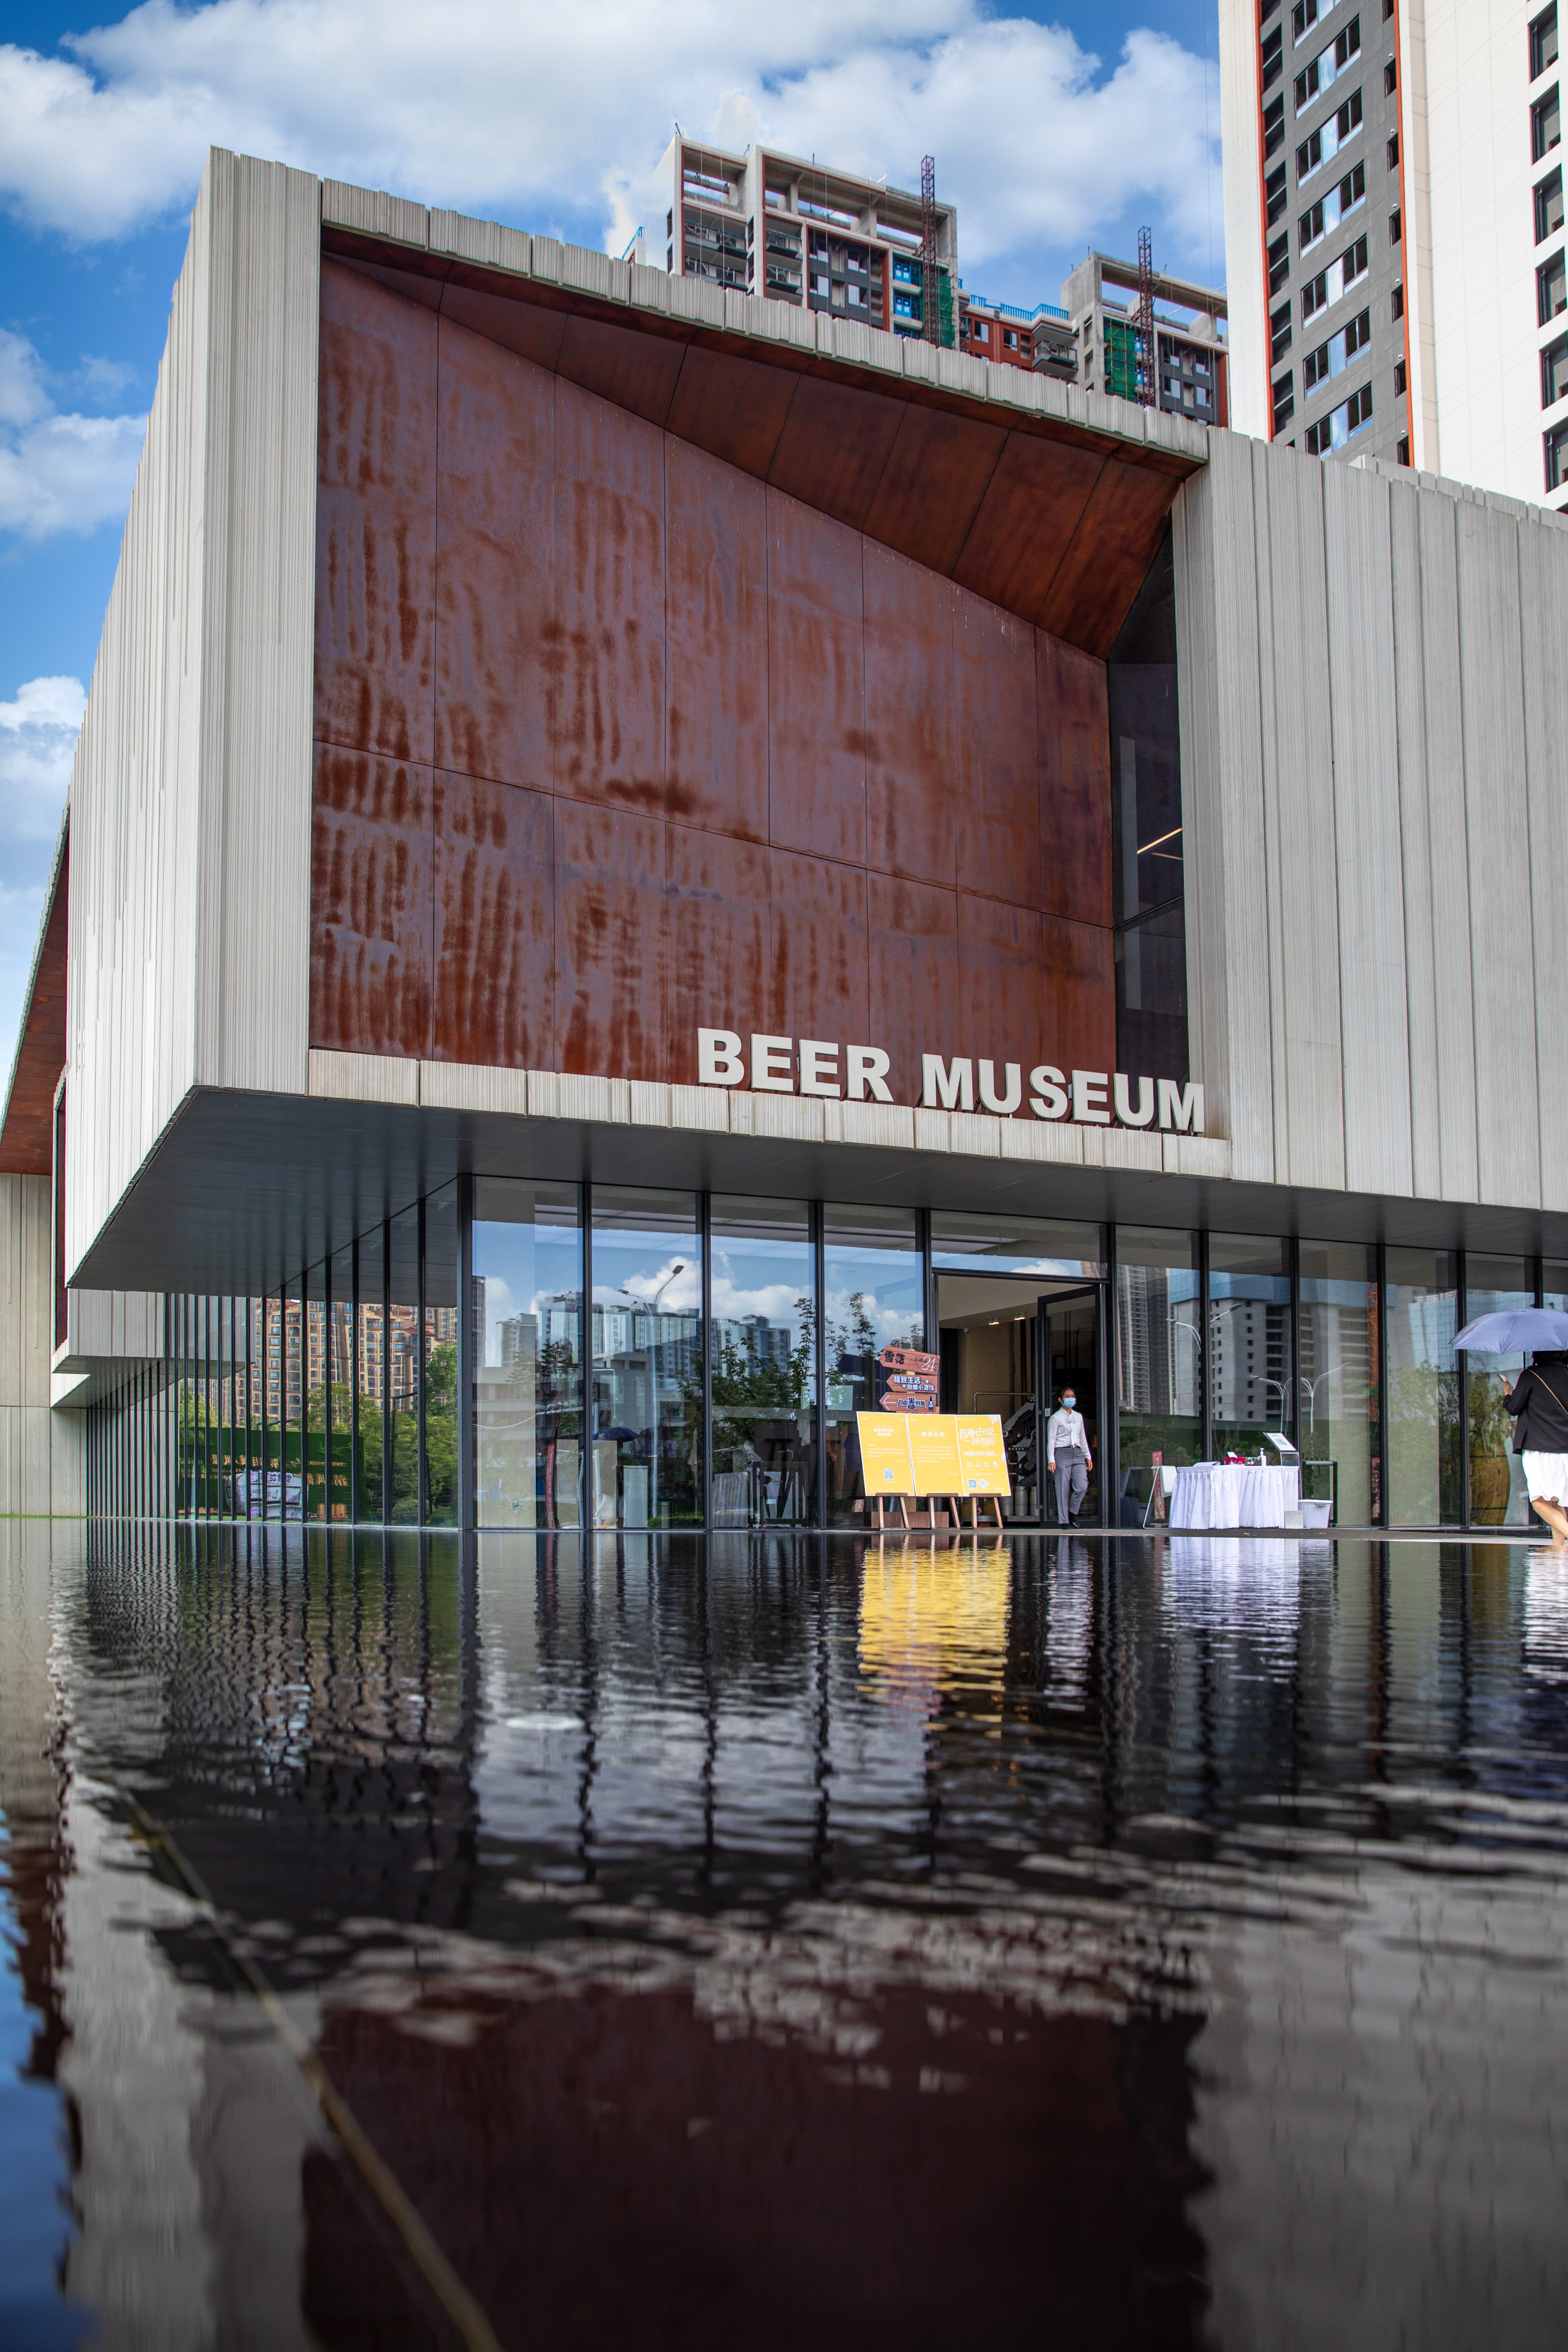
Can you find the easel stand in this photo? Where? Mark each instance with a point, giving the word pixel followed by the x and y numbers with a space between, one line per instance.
pixel 955 1505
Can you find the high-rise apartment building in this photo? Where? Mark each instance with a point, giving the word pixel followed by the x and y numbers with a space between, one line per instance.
pixel 1395 234
pixel 786 227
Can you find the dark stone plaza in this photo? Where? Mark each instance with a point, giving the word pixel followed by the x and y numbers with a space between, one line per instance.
pixel 775 1940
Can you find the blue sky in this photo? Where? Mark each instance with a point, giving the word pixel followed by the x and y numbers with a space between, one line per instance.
pixel 1053 130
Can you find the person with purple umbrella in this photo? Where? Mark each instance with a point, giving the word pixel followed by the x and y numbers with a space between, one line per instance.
pixel 1538 1402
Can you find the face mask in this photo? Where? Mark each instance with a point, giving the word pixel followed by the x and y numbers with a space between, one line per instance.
pixel 1068 1403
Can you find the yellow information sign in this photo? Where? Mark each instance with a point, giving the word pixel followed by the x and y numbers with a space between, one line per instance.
pixel 885 1451
pixel 982 1455
pixel 933 1453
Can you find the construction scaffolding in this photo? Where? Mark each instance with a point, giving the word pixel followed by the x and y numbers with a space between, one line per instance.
pixel 937 322
pixel 1148 358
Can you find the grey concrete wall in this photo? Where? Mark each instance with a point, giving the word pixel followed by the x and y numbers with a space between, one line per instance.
pixel 1374 758
pixel 42 1454
pixel 190 798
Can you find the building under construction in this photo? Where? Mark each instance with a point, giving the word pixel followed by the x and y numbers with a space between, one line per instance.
pixel 1147 336
pixel 791 229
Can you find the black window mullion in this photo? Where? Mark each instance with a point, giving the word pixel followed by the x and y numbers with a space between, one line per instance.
pixel 585 1505
pixel 1461 1377
pixel 1206 1402
pixel 422 1474
pixel 1205 1348
pixel 468 1513
pixel 819 1229
pixel 705 1231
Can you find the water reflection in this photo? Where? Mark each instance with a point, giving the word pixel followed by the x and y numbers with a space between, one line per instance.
pixel 776 1940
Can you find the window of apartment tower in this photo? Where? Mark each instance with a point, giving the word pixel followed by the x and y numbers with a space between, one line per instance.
pixel 1548 206
pixel 1543 41
pixel 1545 125
pixel 1551 290
pixel 1554 371
pixel 1557 458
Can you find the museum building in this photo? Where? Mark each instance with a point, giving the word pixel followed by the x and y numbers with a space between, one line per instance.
pixel 635 848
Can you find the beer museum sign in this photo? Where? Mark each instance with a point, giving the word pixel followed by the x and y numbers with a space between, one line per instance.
pixel 815 1066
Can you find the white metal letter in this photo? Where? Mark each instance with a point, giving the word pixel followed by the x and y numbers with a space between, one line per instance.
pixel 865 1068
pixel 1088 1097
pixel 718 1062
pixel 1182 1107
pixel 772 1065
pixel 1006 1103
pixel 947 1089
pixel 818 1067
pixel 1046 1084
pixel 1124 1101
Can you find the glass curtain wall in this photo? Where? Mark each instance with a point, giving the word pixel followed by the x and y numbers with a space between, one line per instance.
pixel 733 1338
pixel 1159 1363
pixel 646 1468
pixel 873 1297
pixel 1337 1384
pixel 402 1352
pixel 438 1359
pixel 528 1354
pixel 763 1362
pixel 1251 1381
pixel 342 1501
pixel 1498 1496
pixel 314 1363
pixel 1421 1316
pixel 371 1366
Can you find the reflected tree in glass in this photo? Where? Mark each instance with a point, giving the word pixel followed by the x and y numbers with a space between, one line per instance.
pixel 1337 1382
pixel 647 1385
pixel 1421 1311
pixel 1159 1362
pixel 1250 1374
pixel 1498 1496
pixel 528 1354
pixel 440 1359
pixel 763 1367
pixel 874 1297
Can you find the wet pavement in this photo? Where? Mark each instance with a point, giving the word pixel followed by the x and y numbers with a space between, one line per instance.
pixel 780 1942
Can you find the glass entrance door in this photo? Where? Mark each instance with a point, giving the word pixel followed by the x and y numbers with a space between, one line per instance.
pixel 1069 1354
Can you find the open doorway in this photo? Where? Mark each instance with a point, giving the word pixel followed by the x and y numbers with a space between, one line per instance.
pixel 1008 1343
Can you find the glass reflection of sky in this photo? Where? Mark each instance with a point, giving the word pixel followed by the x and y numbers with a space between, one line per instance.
pixel 525 1268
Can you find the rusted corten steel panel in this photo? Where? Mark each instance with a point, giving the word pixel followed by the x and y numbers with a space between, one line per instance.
pixel 607 631
pixel 997 754
pixel 1075 783
pixel 910 816
pixel 493 924
pixel 816 714
pixel 720 917
pixel 701 751
pixel 371 847
pixel 375 522
pixel 612 941
pixel 495 485
pixel 830 434
pixel 27 1137
pixel 715 620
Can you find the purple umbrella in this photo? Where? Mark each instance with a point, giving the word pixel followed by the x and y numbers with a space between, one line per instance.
pixel 1513 1329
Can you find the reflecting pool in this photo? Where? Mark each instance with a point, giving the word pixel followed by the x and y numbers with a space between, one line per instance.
pixel 582 1938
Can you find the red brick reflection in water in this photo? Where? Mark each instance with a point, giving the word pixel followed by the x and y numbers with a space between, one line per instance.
pixel 606 2169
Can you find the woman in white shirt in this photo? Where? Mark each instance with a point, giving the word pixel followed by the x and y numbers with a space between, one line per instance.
pixel 1068 1457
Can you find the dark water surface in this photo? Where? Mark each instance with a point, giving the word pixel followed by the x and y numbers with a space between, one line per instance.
pixel 773 1942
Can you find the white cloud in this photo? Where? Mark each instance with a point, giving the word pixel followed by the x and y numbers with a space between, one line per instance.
pixel 554 117
pixel 58 471
pixel 38 738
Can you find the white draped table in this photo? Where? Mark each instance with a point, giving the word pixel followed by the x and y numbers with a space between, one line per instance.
pixel 1236 1494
